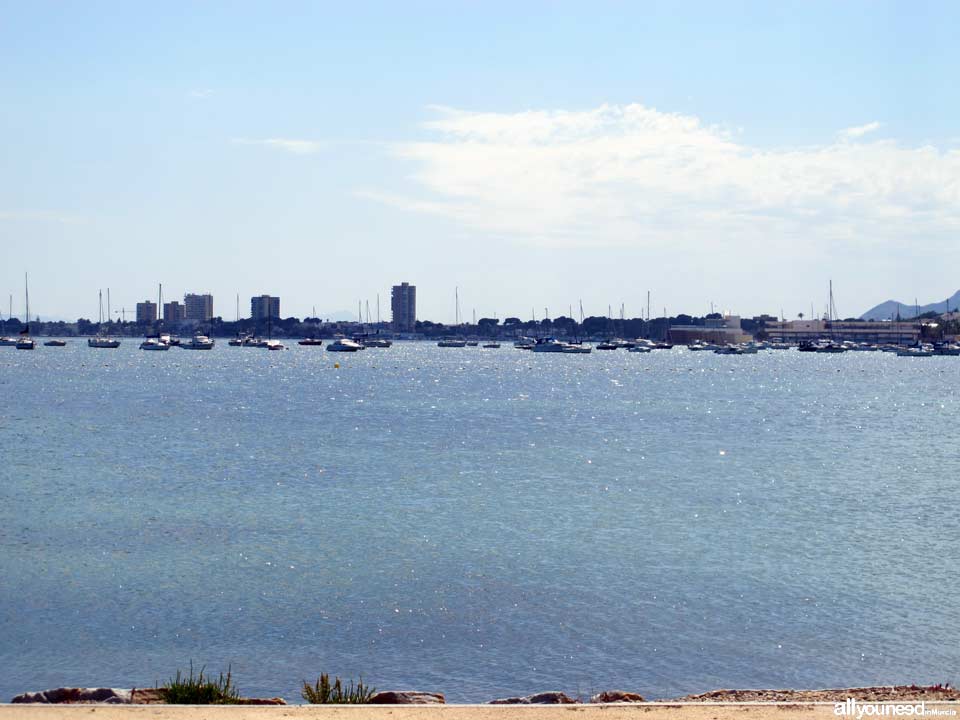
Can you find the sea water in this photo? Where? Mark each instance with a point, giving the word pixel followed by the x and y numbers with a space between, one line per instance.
pixel 477 522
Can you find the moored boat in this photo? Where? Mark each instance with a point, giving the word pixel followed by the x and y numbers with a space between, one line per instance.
pixel 344 345
pixel 198 342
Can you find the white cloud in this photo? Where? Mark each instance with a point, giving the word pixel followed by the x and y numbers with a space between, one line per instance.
pixel 632 175
pixel 201 93
pixel 852 133
pixel 298 147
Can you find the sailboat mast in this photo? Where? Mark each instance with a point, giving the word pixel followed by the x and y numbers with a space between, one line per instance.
pixel 26 296
pixel 456 305
pixel 109 316
pixel 378 310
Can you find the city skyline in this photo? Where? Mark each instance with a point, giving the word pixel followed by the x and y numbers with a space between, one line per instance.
pixel 533 156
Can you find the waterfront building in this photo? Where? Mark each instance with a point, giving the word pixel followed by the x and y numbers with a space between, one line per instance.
pixel 720 331
pixel 403 305
pixel 146 312
pixel 173 311
pixel 264 307
pixel 198 307
pixel 866 331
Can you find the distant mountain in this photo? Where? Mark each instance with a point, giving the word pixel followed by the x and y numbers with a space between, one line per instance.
pixel 890 308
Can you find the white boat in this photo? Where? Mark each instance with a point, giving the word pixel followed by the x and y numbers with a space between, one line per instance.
pixel 916 351
pixel 451 342
pixel 344 345
pixel 524 343
pixel 729 350
pixel 640 349
pixel 572 349
pixel 198 342
pixel 548 345
pixel 153 343
pixel 946 349
pixel 273 345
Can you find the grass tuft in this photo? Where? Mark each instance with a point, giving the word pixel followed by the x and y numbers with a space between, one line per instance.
pixel 200 689
pixel 324 693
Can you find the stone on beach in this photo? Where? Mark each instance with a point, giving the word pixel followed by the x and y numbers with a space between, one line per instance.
pixel 407 697
pixel 554 697
pixel 617 696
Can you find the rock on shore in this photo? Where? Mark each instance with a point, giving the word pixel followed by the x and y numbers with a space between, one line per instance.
pixel 407 697
pixel 617 696
pixel 114 696
pixel 554 697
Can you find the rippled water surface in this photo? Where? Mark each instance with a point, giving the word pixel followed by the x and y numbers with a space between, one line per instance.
pixel 478 522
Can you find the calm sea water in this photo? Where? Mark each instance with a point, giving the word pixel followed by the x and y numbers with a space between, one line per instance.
pixel 481 523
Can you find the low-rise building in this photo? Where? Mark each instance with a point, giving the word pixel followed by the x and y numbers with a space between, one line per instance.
pixel 866 331
pixel 720 331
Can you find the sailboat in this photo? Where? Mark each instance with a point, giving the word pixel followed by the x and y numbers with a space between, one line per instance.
pixel 102 341
pixel 26 342
pixel 4 340
pixel 156 342
pixel 454 342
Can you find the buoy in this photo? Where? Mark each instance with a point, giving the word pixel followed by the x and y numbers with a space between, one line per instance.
pixel 336 366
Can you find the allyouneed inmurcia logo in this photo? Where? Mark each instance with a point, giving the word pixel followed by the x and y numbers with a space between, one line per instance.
pixel 856 709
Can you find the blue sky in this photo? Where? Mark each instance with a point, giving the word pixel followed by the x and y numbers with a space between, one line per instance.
pixel 532 154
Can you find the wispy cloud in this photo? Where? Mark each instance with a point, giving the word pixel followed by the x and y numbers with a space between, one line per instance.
pixel 201 93
pixel 859 131
pixel 634 175
pixel 298 147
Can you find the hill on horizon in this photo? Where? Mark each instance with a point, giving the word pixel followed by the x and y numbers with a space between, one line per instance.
pixel 890 308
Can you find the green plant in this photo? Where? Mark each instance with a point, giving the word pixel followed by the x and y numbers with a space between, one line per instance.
pixel 323 693
pixel 200 689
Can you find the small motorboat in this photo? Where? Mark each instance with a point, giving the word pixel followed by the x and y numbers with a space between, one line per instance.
pixel 344 345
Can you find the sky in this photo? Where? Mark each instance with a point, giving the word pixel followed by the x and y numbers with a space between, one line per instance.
pixel 526 155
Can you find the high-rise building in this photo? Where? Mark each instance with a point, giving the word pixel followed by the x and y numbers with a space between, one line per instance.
pixel 264 307
pixel 174 312
pixel 199 307
pixel 146 312
pixel 403 305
